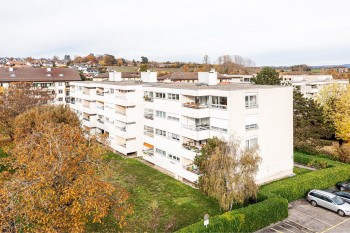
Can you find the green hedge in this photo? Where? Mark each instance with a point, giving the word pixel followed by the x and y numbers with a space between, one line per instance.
pixel 297 187
pixel 247 219
pixel 304 158
pixel 274 197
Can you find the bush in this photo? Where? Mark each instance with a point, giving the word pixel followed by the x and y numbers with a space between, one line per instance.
pixel 247 219
pixel 305 159
pixel 297 187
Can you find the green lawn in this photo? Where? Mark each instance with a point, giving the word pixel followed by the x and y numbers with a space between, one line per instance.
pixel 300 171
pixel 176 200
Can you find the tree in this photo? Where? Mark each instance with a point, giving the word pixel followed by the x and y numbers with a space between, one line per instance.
pixel 143 67
pixel 327 98
pixel 91 58
pixel 134 62
pixel 55 58
pixel 144 60
pixel 301 68
pixel 16 99
pixel 267 76
pixel 228 171
pixel 309 123
pixel 67 57
pixel 108 60
pixel 59 181
pixel 341 116
pixel 77 60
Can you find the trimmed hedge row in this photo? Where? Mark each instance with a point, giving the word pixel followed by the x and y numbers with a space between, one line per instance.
pixel 297 187
pixel 247 219
pixel 303 158
pixel 274 198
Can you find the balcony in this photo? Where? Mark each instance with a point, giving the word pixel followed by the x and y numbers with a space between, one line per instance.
pixel 195 105
pixel 191 168
pixel 100 93
pixel 149 134
pixel 120 113
pixel 148 98
pixel 121 128
pixel 251 127
pixel 196 127
pixel 100 121
pixel 149 116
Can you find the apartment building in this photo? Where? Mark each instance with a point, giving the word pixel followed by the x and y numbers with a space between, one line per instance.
pixel 310 85
pixel 168 123
pixel 55 80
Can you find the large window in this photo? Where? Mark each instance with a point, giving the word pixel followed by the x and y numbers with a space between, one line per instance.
pixel 160 114
pixel 172 118
pixel 218 129
pixel 251 101
pixel 219 102
pixel 173 96
pixel 174 136
pixel 173 157
pixel 161 152
pixel 160 95
pixel 250 143
pixel 161 132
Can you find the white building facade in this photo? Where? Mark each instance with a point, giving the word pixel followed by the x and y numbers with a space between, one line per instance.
pixel 168 123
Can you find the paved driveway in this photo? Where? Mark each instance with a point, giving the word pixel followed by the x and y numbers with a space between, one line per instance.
pixel 304 218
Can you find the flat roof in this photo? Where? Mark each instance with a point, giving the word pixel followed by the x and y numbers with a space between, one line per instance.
pixel 188 86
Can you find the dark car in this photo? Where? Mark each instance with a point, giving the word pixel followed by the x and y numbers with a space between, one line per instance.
pixel 345 185
pixel 343 195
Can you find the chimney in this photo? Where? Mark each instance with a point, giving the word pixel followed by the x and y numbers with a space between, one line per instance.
pixel 48 69
pixel 149 77
pixel 115 76
pixel 210 78
pixel 11 69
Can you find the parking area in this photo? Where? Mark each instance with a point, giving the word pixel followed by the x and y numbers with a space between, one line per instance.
pixel 304 218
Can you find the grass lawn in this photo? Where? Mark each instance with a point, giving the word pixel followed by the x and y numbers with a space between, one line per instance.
pixel 300 171
pixel 176 200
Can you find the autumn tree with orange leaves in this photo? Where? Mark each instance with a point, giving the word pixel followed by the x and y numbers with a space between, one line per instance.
pixel 16 99
pixel 59 181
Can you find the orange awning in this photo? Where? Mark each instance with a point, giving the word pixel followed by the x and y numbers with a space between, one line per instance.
pixel 148 145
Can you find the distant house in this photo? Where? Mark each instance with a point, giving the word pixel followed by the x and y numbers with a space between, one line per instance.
pixel 53 79
pixel 47 64
pixel 61 63
pixel 135 76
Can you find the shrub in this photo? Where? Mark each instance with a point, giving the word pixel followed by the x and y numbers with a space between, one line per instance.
pixel 305 159
pixel 247 219
pixel 297 187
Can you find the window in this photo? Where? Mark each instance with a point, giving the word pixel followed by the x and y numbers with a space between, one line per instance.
pixel 161 132
pixel 172 118
pixel 60 91
pixel 251 122
pixel 219 102
pixel 173 157
pixel 174 136
pixel 251 101
pixel 80 88
pixel 173 96
pixel 161 152
pixel 218 129
pixel 111 91
pixel 61 84
pixel 160 95
pixel 60 99
pixel 160 114
pixel 250 143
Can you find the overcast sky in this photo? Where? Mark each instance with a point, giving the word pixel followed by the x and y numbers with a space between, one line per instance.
pixel 271 32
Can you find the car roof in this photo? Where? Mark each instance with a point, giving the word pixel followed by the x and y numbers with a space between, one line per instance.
pixel 330 195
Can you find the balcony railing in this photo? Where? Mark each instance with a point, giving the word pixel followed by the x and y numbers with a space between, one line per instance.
pixel 120 113
pixel 189 146
pixel 100 121
pixel 149 134
pixel 86 119
pixel 196 127
pixel 191 168
pixel 149 116
pixel 100 93
pixel 195 105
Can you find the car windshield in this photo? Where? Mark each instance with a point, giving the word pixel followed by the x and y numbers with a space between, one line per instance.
pixel 338 200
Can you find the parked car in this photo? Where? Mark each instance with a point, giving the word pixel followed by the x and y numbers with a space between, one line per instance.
pixel 345 185
pixel 328 201
pixel 343 195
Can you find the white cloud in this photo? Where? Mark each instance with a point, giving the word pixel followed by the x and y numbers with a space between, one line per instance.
pixel 272 32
